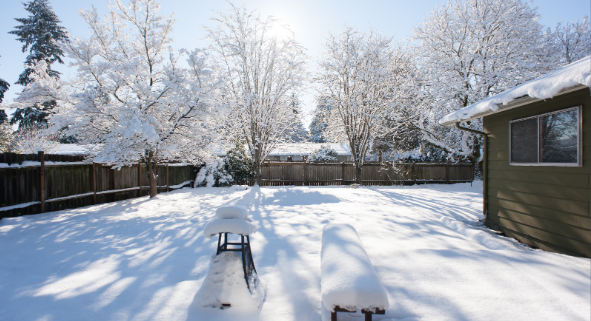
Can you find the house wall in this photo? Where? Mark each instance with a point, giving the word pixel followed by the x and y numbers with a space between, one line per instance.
pixel 544 206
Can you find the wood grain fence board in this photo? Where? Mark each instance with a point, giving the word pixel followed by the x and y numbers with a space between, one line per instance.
pixel 299 173
pixel 71 185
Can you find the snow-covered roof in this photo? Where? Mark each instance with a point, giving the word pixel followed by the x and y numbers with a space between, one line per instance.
pixel 71 149
pixel 574 76
pixel 308 148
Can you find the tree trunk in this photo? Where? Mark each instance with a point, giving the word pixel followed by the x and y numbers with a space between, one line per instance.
pixel 152 177
pixel 358 174
pixel 257 173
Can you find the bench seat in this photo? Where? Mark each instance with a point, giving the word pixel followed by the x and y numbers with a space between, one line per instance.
pixel 348 279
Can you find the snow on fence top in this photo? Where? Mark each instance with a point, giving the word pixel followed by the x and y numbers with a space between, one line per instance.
pixel 308 148
pixel 575 74
pixel 348 278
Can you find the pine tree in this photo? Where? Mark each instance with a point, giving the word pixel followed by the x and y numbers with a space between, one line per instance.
pixel 318 124
pixel 3 88
pixel 40 34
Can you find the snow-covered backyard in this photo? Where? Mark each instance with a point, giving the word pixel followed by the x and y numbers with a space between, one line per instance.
pixel 146 259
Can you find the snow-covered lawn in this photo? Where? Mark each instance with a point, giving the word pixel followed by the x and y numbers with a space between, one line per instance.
pixel 146 259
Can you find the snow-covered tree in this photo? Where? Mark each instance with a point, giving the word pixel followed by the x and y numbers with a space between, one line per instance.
pixel 355 76
pixel 132 98
pixel 3 88
pixel 463 52
pixel 296 131
pixel 6 138
pixel 319 123
pixel 259 72
pixel 41 35
pixel 571 41
pixel 324 154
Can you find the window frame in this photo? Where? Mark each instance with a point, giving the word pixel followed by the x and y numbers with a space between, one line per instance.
pixel 579 162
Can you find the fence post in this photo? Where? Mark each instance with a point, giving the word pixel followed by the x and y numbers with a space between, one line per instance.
pixel 93 182
pixel 41 156
pixel 139 178
pixel 305 173
pixel 167 177
pixel 269 173
pixel 447 172
pixel 343 172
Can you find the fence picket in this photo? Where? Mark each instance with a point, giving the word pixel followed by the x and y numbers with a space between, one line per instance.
pixel 47 187
pixel 300 173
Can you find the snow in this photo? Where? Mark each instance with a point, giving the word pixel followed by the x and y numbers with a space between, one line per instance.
pixel 303 149
pixel 24 164
pixel 72 149
pixel 38 164
pixel 181 185
pixel 231 211
pixel 11 207
pixel 224 284
pixel 142 259
pixel 348 279
pixel 229 225
pixel 547 86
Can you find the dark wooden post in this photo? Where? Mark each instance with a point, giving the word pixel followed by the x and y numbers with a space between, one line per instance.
pixel 269 173
pixel 93 182
pixel 41 156
pixel 167 189
pixel 447 172
pixel 305 171
pixel 139 178
pixel 343 172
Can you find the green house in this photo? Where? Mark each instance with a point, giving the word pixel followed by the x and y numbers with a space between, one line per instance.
pixel 537 159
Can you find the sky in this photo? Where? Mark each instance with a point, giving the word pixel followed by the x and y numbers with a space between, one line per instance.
pixel 311 21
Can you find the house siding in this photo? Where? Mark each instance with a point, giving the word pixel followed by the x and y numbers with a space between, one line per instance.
pixel 544 206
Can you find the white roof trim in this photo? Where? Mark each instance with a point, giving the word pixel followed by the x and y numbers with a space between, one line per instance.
pixel 567 79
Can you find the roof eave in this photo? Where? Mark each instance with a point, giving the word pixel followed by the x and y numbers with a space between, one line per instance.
pixel 525 100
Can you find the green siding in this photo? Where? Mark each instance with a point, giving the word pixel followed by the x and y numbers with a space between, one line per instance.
pixel 544 206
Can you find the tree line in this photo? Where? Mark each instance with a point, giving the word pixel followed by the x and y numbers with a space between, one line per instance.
pixel 134 97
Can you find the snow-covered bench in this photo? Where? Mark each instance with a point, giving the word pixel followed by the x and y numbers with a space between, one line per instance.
pixel 348 279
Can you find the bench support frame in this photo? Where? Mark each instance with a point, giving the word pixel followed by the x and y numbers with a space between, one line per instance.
pixel 244 248
pixel 368 312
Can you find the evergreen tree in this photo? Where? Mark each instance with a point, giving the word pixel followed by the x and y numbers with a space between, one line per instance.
pixel 296 131
pixel 3 88
pixel 40 34
pixel 319 123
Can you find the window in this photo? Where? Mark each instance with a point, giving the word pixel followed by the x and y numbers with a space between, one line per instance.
pixel 552 139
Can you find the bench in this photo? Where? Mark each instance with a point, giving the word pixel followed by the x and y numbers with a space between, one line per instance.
pixel 348 279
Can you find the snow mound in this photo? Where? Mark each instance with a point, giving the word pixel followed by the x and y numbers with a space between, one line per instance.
pixel 547 86
pixel 348 278
pixel 231 211
pixel 14 221
pixel 225 284
pixel 229 225
pixel 481 237
pixel 239 187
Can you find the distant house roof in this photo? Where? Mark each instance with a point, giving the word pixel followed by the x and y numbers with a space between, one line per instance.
pixel 308 148
pixel 71 149
pixel 574 76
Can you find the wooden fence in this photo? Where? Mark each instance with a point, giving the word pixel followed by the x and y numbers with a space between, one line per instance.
pixel 301 173
pixel 31 184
